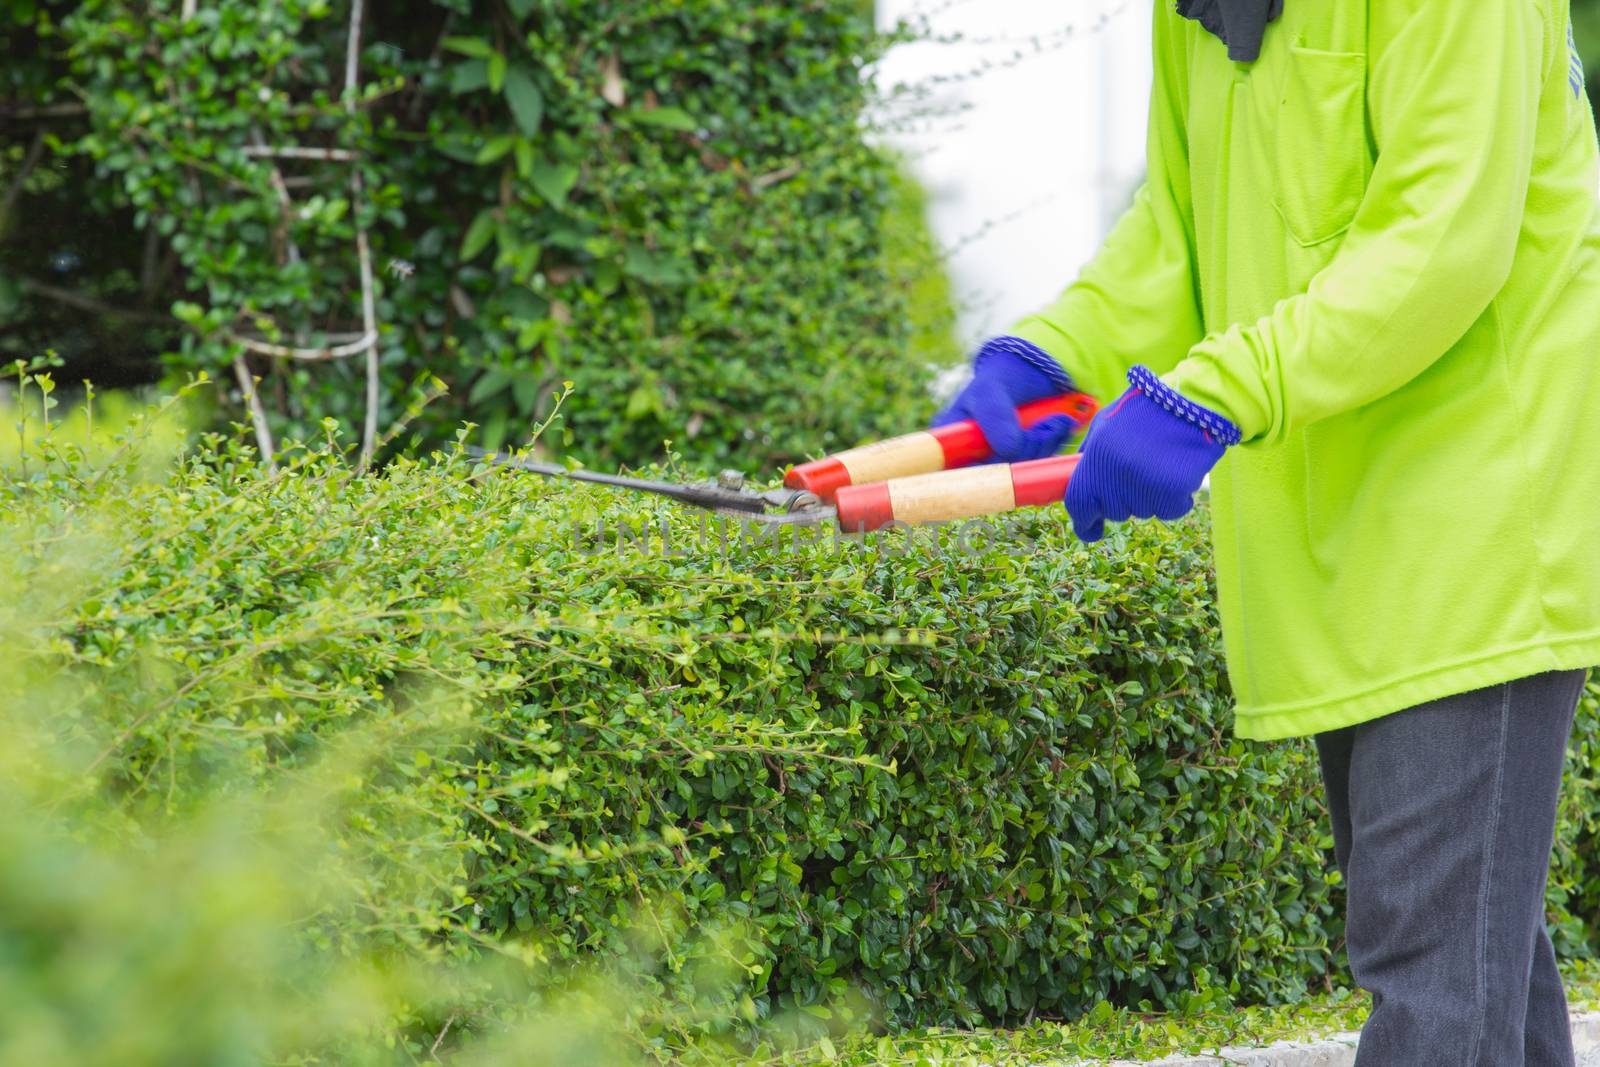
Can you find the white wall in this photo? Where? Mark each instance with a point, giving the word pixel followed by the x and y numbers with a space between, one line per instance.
pixel 1043 151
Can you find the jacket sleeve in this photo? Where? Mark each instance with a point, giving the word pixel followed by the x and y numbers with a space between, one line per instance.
pixel 1137 301
pixel 1453 95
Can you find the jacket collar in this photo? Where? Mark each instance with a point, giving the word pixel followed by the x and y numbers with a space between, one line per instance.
pixel 1239 23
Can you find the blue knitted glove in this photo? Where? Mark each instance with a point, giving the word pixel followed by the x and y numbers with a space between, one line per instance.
pixel 1008 371
pixel 1144 457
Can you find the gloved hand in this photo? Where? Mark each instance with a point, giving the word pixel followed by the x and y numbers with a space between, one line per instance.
pixel 1144 457
pixel 1008 371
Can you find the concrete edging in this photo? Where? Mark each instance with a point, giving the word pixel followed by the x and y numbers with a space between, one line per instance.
pixel 1339 1050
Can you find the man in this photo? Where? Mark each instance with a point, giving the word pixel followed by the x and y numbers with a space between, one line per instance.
pixel 1360 288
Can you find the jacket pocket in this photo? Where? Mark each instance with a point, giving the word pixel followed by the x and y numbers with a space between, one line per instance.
pixel 1321 142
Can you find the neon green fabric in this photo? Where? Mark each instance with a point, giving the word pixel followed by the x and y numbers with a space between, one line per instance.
pixel 1377 251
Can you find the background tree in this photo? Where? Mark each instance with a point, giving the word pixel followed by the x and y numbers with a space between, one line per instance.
pixel 672 205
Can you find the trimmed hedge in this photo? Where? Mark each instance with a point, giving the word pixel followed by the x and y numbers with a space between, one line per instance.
pixel 980 778
pixel 671 204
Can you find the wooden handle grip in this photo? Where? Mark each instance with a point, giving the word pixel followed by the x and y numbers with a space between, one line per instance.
pixel 941 496
pixel 941 448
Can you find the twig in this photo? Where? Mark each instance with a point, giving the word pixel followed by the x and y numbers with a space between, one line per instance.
pixel 363 343
pixel 258 415
pixel 263 151
pixel 89 303
pixel 149 262
pixel 339 337
pixel 782 174
pixel 287 214
pixel 435 391
pixel 352 55
pixel 369 321
pixel 414 109
pixel 41 111
pixel 369 313
pixel 434 1051
pixel 29 161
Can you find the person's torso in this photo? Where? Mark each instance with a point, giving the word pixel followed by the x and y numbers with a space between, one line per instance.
pixel 1335 548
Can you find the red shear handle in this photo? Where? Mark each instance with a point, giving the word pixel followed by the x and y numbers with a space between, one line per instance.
pixel 956 445
pixel 959 494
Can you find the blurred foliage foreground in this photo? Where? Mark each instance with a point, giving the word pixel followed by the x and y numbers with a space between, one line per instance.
pixel 311 766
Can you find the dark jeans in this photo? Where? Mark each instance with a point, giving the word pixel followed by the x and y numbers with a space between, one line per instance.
pixel 1443 816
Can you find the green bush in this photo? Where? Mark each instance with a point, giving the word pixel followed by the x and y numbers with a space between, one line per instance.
pixel 670 204
pixel 1574 888
pixel 915 260
pixel 978 777
pixel 201 936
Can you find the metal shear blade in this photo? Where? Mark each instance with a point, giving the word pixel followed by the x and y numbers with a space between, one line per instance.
pixel 727 494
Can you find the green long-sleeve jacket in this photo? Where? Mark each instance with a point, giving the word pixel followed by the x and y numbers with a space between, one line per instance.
pixel 1376 250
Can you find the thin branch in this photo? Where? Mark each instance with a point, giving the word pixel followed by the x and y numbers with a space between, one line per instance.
pixel 782 174
pixel 414 109
pixel 189 163
pixel 435 391
pixel 265 151
pixel 89 303
pixel 41 111
pixel 365 342
pixel 434 1051
pixel 258 414
pixel 369 321
pixel 29 161
pixel 369 314
pixel 287 214
pixel 169 263
pixel 352 56
pixel 149 262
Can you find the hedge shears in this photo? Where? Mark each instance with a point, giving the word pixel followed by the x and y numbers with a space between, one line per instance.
pixel 929 476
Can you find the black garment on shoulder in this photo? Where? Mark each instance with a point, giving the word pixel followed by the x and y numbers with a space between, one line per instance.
pixel 1240 23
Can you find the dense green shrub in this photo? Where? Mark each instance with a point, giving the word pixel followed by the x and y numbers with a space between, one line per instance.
pixel 1574 888
pixel 979 777
pixel 670 204
pixel 916 261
